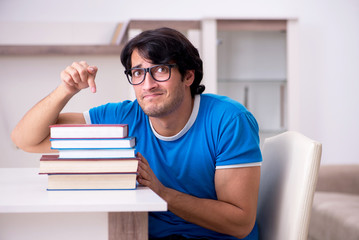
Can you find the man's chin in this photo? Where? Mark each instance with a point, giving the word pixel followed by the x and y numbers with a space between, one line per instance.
pixel 153 113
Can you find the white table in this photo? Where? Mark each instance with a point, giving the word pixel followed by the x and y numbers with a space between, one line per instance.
pixel 25 201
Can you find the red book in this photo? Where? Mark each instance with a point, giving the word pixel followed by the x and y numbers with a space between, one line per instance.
pixel 89 131
pixel 52 164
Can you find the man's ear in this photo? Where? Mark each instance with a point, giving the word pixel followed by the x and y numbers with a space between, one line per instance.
pixel 189 77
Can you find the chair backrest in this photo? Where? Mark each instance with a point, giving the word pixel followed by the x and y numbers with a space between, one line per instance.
pixel 288 178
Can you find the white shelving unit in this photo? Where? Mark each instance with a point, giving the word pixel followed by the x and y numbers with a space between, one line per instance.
pixel 255 65
pixel 252 70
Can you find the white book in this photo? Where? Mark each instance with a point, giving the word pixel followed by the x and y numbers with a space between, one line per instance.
pixel 58 143
pixel 89 131
pixel 97 153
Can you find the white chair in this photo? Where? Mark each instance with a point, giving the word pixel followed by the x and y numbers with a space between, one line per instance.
pixel 288 180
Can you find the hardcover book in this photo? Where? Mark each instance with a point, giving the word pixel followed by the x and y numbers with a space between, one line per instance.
pixel 91 157
pixel 115 181
pixel 97 153
pixel 58 143
pixel 89 131
pixel 52 164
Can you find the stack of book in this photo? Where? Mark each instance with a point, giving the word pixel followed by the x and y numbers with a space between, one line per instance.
pixel 91 157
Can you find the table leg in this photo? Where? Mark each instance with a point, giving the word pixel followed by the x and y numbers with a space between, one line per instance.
pixel 128 225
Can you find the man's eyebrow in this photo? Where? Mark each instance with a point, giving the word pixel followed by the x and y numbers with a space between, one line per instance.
pixel 137 66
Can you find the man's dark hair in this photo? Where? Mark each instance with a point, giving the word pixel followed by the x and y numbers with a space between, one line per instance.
pixel 166 45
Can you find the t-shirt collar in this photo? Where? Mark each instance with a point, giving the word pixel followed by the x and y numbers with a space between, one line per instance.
pixel 190 122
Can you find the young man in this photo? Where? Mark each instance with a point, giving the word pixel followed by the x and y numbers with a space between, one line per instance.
pixel 199 152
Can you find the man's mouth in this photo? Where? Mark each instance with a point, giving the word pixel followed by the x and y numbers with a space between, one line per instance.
pixel 151 95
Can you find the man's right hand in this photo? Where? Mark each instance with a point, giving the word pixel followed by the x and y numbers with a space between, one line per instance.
pixel 32 133
pixel 79 76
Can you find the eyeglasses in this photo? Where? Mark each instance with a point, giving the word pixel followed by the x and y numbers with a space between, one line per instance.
pixel 159 73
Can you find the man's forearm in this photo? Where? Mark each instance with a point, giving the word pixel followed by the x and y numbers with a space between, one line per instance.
pixel 234 213
pixel 32 132
pixel 212 214
pixel 33 128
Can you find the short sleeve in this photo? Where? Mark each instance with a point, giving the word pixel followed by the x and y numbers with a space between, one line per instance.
pixel 110 113
pixel 238 142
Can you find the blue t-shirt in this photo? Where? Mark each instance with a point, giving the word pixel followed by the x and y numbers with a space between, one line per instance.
pixel 220 133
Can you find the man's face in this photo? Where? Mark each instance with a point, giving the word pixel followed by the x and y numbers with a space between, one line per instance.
pixel 158 99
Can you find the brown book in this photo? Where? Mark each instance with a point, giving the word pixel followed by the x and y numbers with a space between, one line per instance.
pixel 91 181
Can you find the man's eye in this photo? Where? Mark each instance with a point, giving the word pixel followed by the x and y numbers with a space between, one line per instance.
pixel 162 69
pixel 136 73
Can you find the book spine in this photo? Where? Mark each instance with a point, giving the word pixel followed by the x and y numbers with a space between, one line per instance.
pixel 79 136
pixel 56 158
pixel 92 173
pixel 89 125
pixel 92 189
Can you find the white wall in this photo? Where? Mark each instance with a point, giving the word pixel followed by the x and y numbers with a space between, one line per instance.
pixel 26 80
pixel 328 53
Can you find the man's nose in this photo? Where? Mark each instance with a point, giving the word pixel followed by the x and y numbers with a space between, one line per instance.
pixel 149 82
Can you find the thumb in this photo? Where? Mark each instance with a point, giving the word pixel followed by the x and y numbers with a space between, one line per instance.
pixel 92 70
pixel 139 155
pixel 143 159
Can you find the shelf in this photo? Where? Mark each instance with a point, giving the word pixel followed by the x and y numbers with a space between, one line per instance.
pixel 180 25
pixel 118 40
pixel 264 81
pixel 31 50
pixel 121 36
pixel 251 25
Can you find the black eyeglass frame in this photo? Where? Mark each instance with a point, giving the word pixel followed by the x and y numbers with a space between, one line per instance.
pixel 148 70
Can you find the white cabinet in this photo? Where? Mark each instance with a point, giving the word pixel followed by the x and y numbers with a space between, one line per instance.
pixel 251 67
pixel 252 70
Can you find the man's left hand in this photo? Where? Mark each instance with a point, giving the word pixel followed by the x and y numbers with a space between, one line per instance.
pixel 146 176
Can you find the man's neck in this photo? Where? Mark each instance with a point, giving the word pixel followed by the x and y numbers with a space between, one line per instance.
pixel 173 123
